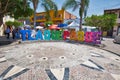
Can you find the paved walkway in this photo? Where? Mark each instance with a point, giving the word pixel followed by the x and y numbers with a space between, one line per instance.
pixel 110 46
pixel 57 61
pixel 5 41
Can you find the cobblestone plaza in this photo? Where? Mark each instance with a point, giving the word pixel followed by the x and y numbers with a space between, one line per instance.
pixel 57 61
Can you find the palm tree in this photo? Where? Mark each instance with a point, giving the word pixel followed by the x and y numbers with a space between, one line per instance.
pixel 74 4
pixel 46 4
pixel 35 5
pixel 49 5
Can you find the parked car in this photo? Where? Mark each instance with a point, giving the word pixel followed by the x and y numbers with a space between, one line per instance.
pixel 117 39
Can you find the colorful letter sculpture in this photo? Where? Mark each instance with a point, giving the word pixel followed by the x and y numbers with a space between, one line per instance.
pixel 98 40
pixel 66 34
pixel 56 35
pixel 23 34
pixel 80 36
pixel 93 37
pixel 59 35
pixel 47 35
pixel 90 37
pixel 73 35
pixel 53 35
pixel 39 35
pixel 29 34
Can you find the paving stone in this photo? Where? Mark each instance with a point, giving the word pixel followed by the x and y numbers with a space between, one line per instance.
pixel 52 56
pixel 2 59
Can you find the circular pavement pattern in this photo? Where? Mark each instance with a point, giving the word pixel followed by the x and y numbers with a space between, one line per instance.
pixel 58 61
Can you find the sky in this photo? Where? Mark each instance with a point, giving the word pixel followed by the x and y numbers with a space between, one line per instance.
pixel 96 7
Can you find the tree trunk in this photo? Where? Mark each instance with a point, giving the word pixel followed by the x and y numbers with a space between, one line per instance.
pixel 1 19
pixel 80 27
pixel 34 18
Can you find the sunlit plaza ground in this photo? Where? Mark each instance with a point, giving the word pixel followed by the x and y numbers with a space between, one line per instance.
pixel 57 61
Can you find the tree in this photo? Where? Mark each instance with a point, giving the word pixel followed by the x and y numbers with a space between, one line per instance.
pixel 14 7
pixel 82 5
pixel 15 23
pixel 109 20
pixel 94 20
pixel 47 5
pixel 48 23
pixel 103 22
pixel 35 5
pixel 21 11
pixel 4 5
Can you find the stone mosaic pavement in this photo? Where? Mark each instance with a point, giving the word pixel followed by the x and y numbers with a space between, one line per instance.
pixel 57 61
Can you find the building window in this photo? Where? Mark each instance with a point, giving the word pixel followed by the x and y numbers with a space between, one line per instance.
pixel 58 16
pixel 39 17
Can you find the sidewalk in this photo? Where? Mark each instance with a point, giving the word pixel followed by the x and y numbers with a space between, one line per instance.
pixel 111 46
pixel 5 41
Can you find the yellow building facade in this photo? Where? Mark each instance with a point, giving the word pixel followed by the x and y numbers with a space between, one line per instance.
pixel 61 16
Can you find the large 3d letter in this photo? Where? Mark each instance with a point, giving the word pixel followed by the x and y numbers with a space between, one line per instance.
pixel 39 35
pixel 66 34
pixel 47 34
pixel 23 34
pixel 59 35
pixel 56 35
pixel 73 35
pixel 53 35
pixel 80 35
pixel 88 37
pixel 29 34
pixel 97 38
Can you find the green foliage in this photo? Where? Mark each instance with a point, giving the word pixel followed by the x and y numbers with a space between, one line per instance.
pixel 21 11
pixel 82 5
pixel 15 23
pixel 23 18
pixel 109 21
pixel 105 22
pixel 48 23
pixel 9 23
pixel 49 5
pixel 94 20
pixel 15 8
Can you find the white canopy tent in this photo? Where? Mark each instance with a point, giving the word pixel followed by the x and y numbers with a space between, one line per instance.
pixel 75 25
pixel 39 27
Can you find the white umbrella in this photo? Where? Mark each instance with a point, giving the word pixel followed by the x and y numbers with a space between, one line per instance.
pixel 39 27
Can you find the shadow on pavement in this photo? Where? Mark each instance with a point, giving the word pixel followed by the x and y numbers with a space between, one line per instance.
pixel 5 41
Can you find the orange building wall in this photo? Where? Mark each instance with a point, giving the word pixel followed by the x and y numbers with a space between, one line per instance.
pixel 61 15
pixel 69 15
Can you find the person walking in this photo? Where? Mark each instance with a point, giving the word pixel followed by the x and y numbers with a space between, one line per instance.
pixel 13 33
pixel 7 31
